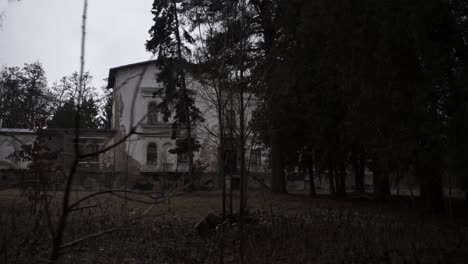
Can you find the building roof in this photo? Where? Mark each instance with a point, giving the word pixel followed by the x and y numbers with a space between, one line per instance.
pixel 55 130
pixel 83 131
pixel 191 67
pixel 112 71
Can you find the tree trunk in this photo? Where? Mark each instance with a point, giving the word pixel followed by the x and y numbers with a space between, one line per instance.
pixel 243 180
pixel 221 149
pixel 431 191
pixel 231 206
pixel 359 166
pixel 429 173
pixel 341 181
pixel 222 176
pixel 381 182
pixel 362 169
pixel 331 178
pixel 278 182
pixel 188 125
pixel 310 167
pixel 466 198
pixel 397 180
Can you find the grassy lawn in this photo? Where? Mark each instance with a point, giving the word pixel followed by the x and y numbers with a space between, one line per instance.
pixel 198 204
pixel 290 229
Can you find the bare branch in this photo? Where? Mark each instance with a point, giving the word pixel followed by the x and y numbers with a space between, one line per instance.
pixel 119 228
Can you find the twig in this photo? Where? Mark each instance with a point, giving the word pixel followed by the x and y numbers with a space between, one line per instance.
pixel 119 228
pixel 115 191
pixel 71 206
pixel 83 207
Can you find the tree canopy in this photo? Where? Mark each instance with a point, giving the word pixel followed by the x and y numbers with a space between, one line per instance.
pixel 369 84
pixel 26 100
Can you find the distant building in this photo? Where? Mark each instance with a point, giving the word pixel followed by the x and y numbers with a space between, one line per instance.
pixel 56 148
pixel 94 172
pixel 146 153
pixel 145 156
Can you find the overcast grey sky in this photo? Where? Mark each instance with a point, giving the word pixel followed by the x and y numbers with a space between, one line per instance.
pixel 49 31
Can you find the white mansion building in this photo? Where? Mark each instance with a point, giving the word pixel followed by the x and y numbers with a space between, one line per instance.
pixel 146 151
pixel 143 155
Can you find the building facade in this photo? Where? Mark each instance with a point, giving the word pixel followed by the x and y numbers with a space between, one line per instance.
pixel 146 152
pixel 140 139
pixel 27 155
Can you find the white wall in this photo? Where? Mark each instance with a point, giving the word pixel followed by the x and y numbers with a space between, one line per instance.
pixel 127 80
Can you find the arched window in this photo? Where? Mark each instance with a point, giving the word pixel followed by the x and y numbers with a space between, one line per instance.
pixel 152 113
pixel 152 154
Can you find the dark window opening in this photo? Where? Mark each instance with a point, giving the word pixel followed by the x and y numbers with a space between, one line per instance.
pixel 88 148
pixel 152 154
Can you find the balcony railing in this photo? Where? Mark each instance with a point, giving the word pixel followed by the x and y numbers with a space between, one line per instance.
pixel 164 167
pixel 157 125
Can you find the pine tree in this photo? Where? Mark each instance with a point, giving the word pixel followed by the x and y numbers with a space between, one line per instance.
pixel 167 40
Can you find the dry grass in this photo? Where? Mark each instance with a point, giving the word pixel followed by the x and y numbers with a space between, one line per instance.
pixel 290 229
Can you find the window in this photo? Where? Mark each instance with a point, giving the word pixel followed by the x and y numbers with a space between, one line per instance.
pixel 152 118
pixel 88 148
pixel 256 156
pixel 152 154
